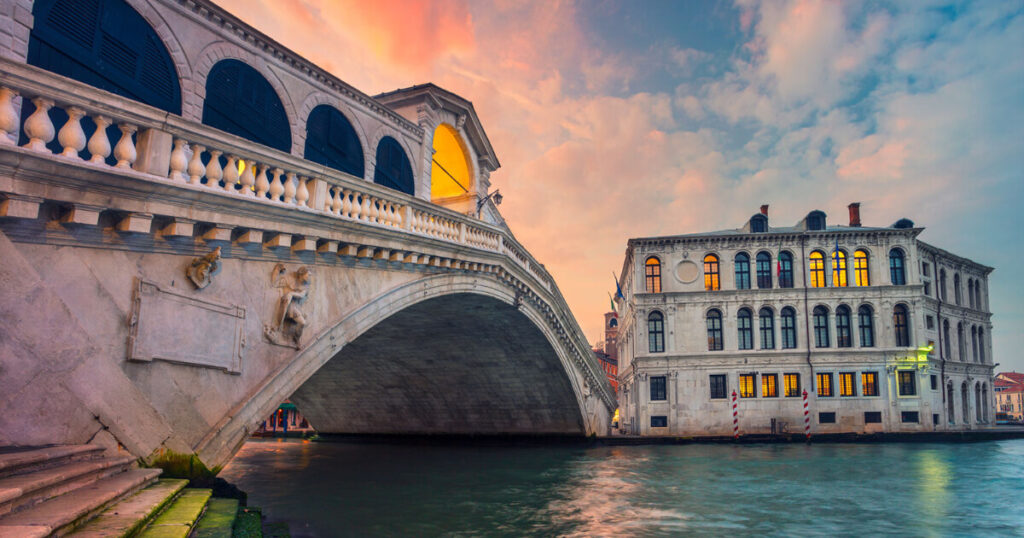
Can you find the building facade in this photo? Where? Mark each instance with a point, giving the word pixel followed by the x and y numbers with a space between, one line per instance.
pixel 1009 389
pixel 607 353
pixel 883 331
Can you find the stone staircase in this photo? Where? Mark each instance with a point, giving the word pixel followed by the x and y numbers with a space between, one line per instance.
pixel 78 490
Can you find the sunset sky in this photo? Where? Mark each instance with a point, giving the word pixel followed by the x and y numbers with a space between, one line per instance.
pixel 625 119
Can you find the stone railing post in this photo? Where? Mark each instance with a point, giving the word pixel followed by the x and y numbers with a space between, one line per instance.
pixel 318 195
pixel 462 233
pixel 407 218
pixel 153 149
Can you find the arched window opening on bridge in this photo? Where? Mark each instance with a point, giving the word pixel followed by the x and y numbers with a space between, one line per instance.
pixel 240 101
pixel 451 173
pixel 331 141
pixel 393 169
pixel 106 44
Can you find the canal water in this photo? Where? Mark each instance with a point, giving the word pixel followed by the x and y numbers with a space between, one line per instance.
pixel 360 489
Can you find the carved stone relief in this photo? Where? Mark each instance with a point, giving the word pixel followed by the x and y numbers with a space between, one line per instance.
pixel 289 319
pixel 202 270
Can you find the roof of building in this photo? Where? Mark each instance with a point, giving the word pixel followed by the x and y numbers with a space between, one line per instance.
pixel 1015 377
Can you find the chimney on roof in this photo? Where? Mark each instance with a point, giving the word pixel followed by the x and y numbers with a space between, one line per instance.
pixel 855 214
pixel 764 210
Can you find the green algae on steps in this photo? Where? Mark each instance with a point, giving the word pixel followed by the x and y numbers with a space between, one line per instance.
pixel 218 519
pixel 130 515
pixel 248 524
pixel 179 518
pixel 178 465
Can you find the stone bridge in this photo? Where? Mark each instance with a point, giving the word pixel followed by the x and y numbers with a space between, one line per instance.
pixel 168 292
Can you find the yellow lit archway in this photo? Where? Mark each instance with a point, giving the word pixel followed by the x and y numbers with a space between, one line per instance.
pixel 450 172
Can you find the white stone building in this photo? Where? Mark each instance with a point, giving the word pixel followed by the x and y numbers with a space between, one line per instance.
pixel 884 332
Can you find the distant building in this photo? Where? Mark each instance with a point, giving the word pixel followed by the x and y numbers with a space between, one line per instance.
pixel 885 332
pixel 1009 389
pixel 606 352
pixel 285 421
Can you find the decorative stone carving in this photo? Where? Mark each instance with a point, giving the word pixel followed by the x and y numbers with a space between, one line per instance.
pixel 202 270
pixel 289 319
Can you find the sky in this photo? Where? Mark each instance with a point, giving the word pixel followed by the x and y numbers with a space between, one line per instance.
pixel 620 119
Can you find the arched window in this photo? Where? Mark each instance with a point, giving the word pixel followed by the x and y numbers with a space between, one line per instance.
pixel 977 290
pixel 957 294
pixel 764 270
pixel 839 269
pixel 758 223
pixel 788 322
pixel 767 326
pixel 977 402
pixel 655 332
pixel 714 319
pixel 331 141
pixel 652 272
pixel 711 281
pixel 981 345
pixel 984 402
pixel 950 407
pixel 844 338
pixel 974 344
pixel 821 338
pixel 742 271
pixel 970 292
pixel 745 329
pixel 860 268
pixel 785 270
pixel 896 269
pixel 961 342
pixel 965 412
pixel 614 322
pixel 240 101
pixel 816 220
pixel 942 285
pixel 866 322
pixel 817 268
pixel 450 170
pixel 948 349
pixel 392 169
pixel 901 325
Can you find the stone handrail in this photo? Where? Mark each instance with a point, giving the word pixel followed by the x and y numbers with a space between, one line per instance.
pixel 237 167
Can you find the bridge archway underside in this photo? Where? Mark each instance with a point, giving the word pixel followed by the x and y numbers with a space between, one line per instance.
pixel 457 364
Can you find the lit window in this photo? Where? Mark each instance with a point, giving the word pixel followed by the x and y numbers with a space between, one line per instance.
pixel 656 332
pixel 860 268
pixel 788 328
pixel 742 271
pixel 817 268
pixel 745 330
pixel 748 387
pixel 653 271
pixel 869 383
pixel 907 382
pixel 821 338
pixel 896 272
pixel 769 386
pixel 843 336
pixel 767 328
pixel 450 173
pixel 785 270
pixel 764 270
pixel 824 385
pixel 839 269
pixel 658 392
pixel 714 320
pixel 899 319
pixel 846 384
pixel 711 282
pixel 718 387
pixel 791 384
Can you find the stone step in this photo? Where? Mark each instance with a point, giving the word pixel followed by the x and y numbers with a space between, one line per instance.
pixel 133 513
pixel 21 491
pixel 27 460
pixel 248 523
pixel 62 514
pixel 179 518
pixel 218 520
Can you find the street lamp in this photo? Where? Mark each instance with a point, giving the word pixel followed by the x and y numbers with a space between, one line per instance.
pixel 495 195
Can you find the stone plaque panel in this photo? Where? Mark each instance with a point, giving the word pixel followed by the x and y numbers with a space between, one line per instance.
pixel 171 326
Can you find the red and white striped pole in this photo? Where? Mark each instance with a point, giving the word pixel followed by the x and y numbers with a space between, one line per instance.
pixel 735 418
pixel 807 418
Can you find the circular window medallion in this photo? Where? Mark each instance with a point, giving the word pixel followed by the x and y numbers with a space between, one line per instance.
pixel 687 271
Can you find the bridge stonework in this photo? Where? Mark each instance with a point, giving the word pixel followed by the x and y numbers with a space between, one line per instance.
pixel 170 291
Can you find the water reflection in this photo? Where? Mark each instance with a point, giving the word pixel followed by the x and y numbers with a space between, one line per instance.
pixel 345 489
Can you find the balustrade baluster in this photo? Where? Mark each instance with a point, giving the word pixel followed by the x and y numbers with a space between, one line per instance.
pixel 287 189
pixel 213 169
pixel 246 179
pixel 346 206
pixel 38 127
pixel 262 183
pixel 8 115
pixel 124 151
pixel 99 144
pixel 231 173
pixel 398 215
pixel 336 201
pixel 302 190
pixel 71 135
pixel 195 165
pixel 178 161
pixel 364 208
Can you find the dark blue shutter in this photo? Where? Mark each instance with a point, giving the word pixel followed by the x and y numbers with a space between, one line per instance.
pixel 393 169
pixel 331 141
pixel 240 101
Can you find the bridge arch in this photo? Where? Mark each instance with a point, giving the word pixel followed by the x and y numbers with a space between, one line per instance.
pixel 568 406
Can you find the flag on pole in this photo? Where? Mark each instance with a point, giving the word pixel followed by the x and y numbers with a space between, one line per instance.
pixel 618 289
pixel 612 302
